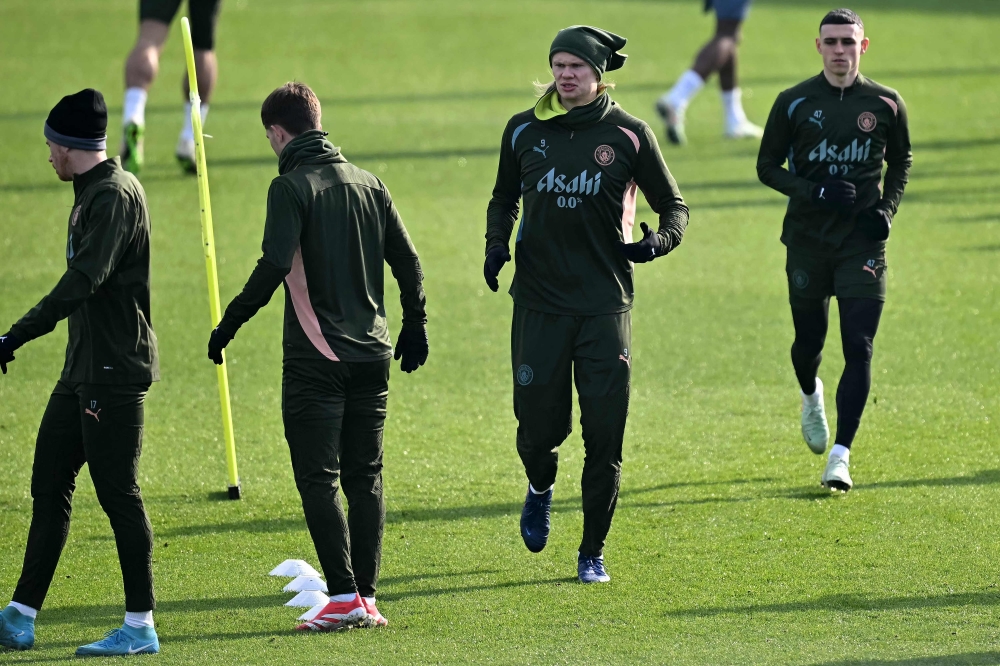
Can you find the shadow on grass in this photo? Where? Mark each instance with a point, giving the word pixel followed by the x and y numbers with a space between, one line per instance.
pixel 846 603
pixel 966 659
pixel 491 510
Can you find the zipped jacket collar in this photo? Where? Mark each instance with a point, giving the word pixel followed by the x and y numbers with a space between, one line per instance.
pixel 580 117
pixel 841 93
pixel 82 181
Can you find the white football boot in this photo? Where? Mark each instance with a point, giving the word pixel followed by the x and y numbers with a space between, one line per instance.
pixel 744 130
pixel 837 475
pixel 815 429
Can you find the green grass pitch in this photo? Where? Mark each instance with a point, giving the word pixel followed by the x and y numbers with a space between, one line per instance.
pixel 724 549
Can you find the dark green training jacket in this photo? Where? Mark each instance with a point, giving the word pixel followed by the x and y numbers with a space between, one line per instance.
pixel 578 174
pixel 825 132
pixel 105 289
pixel 330 226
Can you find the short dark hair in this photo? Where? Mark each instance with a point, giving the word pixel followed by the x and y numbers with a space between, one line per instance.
pixel 294 106
pixel 842 17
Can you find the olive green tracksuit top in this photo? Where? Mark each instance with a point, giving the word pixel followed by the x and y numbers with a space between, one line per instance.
pixel 105 289
pixel 825 132
pixel 578 174
pixel 330 226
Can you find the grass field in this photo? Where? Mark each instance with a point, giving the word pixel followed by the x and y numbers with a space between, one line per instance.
pixel 724 549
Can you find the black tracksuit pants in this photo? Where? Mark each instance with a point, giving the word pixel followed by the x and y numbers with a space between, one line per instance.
pixel 100 425
pixel 334 413
pixel 547 352
pixel 859 319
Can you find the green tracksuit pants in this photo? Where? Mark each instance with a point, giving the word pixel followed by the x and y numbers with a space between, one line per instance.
pixel 334 413
pixel 547 351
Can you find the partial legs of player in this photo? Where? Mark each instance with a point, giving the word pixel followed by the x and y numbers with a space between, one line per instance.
pixel 720 55
pixel 859 319
pixel 142 67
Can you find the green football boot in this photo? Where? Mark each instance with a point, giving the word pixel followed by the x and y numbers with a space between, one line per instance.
pixel 132 152
pixel 185 154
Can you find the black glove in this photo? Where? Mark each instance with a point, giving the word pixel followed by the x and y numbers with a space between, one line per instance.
pixel 8 345
pixel 216 343
pixel 411 346
pixel 875 223
pixel 496 257
pixel 834 194
pixel 645 250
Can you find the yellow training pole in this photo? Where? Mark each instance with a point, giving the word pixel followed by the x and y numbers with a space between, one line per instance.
pixel 208 239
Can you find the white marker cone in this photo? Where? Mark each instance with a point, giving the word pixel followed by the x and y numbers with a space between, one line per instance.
pixel 308 599
pixel 312 612
pixel 293 568
pixel 306 583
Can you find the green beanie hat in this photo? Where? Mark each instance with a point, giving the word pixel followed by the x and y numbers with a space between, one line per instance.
pixel 598 47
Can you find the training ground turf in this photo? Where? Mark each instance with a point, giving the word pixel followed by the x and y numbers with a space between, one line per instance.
pixel 724 550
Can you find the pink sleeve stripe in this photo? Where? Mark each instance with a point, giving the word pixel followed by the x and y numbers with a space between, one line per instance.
pixel 299 291
pixel 631 135
pixel 628 211
pixel 892 104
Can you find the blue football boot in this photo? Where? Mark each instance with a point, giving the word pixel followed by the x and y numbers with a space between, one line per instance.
pixel 590 569
pixel 535 520
pixel 17 631
pixel 124 641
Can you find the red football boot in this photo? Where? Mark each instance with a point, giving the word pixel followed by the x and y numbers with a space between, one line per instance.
pixel 375 617
pixel 337 616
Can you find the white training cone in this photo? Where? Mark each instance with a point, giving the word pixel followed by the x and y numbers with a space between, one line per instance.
pixel 309 599
pixel 306 583
pixel 312 612
pixel 293 568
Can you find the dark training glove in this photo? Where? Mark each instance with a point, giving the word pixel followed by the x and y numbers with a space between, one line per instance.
pixel 496 257
pixel 411 347
pixel 8 345
pixel 645 250
pixel 875 223
pixel 216 343
pixel 834 194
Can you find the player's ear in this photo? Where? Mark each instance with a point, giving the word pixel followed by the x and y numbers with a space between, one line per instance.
pixel 864 44
pixel 817 46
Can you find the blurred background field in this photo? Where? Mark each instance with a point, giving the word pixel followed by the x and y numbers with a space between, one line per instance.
pixel 724 549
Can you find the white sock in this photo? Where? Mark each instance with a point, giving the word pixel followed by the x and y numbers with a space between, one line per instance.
pixel 187 131
pixel 24 610
pixel 840 451
pixel 370 600
pixel 343 598
pixel 686 88
pixel 135 107
pixel 139 620
pixel 732 105
pixel 540 492
pixel 815 397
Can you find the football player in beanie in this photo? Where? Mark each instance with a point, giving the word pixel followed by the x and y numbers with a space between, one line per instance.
pixel 95 414
pixel 836 130
pixel 577 160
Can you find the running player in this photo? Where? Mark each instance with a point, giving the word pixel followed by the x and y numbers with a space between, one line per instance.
pixel 720 54
pixel 577 160
pixel 95 414
pixel 836 130
pixel 330 226
pixel 143 64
